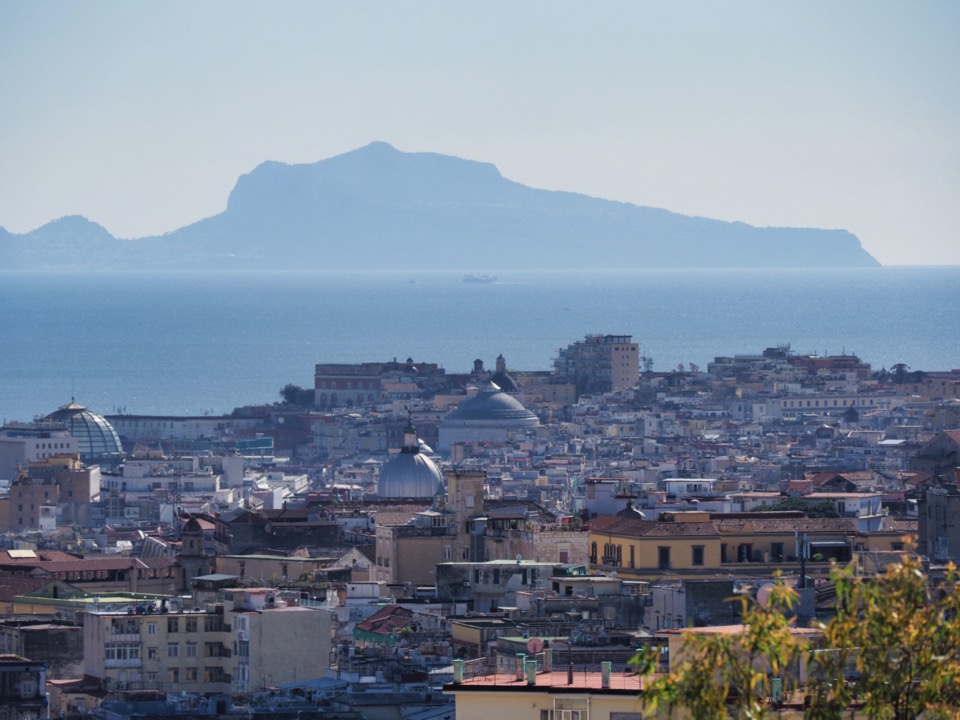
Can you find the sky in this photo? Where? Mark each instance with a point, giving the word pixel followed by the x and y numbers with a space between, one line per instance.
pixel 142 115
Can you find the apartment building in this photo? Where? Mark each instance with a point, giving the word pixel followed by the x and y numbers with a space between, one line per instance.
pixel 50 491
pixel 249 641
pixel 600 363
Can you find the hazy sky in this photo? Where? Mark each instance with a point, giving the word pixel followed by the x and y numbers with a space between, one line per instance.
pixel 142 115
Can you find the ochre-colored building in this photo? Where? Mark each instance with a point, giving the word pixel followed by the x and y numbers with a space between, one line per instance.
pixel 702 544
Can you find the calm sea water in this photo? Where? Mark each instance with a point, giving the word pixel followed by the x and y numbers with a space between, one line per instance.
pixel 195 343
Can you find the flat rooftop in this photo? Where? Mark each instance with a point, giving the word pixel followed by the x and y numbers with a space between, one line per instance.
pixel 555 682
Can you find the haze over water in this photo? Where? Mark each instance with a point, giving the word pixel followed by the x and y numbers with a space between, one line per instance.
pixel 184 344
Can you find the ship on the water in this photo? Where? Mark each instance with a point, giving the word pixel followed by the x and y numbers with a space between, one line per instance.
pixel 479 278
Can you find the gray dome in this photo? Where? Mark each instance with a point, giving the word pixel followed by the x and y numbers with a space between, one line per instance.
pixel 493 405
pixel 504 382
pixel 409 475
pixel 96 439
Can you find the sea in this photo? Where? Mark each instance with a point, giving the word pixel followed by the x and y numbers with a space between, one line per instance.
pixel 204 343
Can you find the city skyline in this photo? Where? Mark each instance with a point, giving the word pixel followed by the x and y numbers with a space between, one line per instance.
pixel 142 118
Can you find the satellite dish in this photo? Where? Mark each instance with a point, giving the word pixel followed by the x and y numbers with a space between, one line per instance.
pixel 534 645
pixel 763 594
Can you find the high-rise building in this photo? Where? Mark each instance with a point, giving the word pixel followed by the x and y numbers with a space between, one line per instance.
pixel 600 363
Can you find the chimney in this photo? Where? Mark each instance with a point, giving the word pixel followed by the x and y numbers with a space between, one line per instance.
pixel 521 658
pixel 605 674
pixel 531 667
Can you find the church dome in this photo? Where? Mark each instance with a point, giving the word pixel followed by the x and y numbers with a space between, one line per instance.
pixel 502 378
pixel 489 416
pixel 96 439
pixel 491 404
pixel 410 474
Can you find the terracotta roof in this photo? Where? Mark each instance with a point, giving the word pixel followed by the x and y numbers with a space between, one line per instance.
pixel 122 562
pixel 905 525
pixel 635 527
pixel 386 621
pixel 13 585
pixel 392 515
pixel 38 555
pixel 735 524
pixel 917 478
pixel 781 525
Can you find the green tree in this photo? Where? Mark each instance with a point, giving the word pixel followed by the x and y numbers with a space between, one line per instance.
pixel 293 394
pixel 813 508
pixel 899 373
pixel 892 649
pixel 903 639
pixel 720 675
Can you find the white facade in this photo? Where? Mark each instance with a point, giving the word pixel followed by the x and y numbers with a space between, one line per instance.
pixel 21 445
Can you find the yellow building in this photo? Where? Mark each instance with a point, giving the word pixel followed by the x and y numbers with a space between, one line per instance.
pixel 701 544
pixel 547 695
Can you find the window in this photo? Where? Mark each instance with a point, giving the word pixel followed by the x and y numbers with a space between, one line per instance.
pixel 593 553
pixel 776 552
pixel 173 675
pixel 213 623
pixel 152 653
pixel 663 558
pixel 631 556
pixel 151 628
pixel 191 625
pixel 173 650
pixel 697 558
pixel 191 649
pixel 191 674
pixel 121 651
pixel 173 625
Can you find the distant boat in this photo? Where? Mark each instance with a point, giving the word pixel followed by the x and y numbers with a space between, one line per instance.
pixel 475 278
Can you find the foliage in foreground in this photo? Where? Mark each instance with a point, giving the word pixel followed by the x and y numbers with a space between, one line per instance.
pixel 892 651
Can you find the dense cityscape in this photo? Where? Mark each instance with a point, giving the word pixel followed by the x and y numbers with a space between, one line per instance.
pixel 403 542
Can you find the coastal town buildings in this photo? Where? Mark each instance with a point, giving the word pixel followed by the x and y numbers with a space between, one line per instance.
pixel 593 509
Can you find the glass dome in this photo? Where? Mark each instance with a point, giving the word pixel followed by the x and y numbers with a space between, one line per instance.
pixel 96 439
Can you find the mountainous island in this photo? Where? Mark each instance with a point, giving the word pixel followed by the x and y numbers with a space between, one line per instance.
pixel 377 208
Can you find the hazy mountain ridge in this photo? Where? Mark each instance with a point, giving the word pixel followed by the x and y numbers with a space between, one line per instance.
pixel 379 208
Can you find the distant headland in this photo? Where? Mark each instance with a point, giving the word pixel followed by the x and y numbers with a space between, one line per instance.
pixel 377 208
